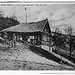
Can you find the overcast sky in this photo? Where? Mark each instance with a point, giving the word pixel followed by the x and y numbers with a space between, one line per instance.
pixel 58 14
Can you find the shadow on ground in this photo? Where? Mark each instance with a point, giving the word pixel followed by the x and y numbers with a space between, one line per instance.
pixel 44 53
pixel 65 55
pixel 48 55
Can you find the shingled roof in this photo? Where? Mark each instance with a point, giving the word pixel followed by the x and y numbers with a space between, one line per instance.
pixel 28 27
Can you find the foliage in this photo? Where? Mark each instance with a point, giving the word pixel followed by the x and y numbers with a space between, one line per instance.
pixel 6 22
pixel 63 40
pixel 58 38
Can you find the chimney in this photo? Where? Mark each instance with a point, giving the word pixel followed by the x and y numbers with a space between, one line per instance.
pixel 25 15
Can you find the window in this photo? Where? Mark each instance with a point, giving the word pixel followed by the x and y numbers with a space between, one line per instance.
pixel 45 30
pixel 31 37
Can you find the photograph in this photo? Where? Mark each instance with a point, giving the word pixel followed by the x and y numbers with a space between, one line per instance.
pixel 37 36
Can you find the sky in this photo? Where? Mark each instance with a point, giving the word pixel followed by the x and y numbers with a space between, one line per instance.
pixel 59 15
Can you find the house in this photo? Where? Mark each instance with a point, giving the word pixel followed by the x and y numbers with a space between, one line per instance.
pixel 34 32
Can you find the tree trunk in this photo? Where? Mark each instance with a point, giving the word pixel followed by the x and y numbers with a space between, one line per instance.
pixel 70 52
pixel 70 46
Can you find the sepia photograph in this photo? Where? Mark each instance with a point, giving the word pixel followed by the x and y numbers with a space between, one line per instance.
pixel 37 36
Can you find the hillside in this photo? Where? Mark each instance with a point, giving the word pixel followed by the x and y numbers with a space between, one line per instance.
pixel 6 22
pixel 23 58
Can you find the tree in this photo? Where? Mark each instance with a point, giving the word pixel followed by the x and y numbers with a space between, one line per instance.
pixel 6 22
pixel 14 17
pixel 58 38
pixel 71 39
pixel 57 30
pixel 1 13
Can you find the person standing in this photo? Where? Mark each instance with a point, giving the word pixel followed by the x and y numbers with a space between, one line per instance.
pixel 14 40
pixel 6 37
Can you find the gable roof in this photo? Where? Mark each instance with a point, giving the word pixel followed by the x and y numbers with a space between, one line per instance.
pixel 28 27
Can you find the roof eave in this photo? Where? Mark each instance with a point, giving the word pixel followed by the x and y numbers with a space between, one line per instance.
pixel 44 25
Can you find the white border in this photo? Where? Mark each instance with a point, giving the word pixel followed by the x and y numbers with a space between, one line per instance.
pixel 45 71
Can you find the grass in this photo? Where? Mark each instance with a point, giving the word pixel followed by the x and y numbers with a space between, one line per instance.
pixel 65 54
pixel 31 58
pixel 27 65
pixel 44 53
pixel 47 55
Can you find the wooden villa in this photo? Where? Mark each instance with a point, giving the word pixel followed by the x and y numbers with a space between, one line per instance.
pixel 35 32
